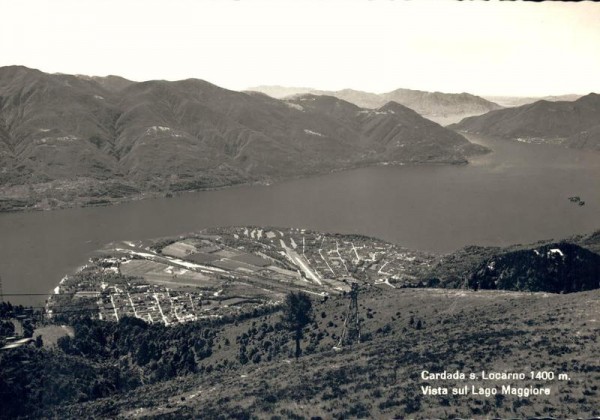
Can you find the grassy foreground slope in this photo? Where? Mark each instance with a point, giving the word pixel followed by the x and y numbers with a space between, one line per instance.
pixel 407 331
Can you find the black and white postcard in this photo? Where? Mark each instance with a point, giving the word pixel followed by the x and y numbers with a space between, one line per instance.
pixel 259 209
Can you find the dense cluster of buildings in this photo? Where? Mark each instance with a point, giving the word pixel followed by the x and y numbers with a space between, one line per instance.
pixel 226 270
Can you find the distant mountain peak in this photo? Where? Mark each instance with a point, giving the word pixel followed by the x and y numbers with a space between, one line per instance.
pixel 443 108
pixel 397 107
pixel 590 97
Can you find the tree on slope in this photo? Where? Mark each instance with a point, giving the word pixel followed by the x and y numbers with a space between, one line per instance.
pixel 297 314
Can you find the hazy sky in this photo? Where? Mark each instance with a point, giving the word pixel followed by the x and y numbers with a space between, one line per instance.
pixel 503 48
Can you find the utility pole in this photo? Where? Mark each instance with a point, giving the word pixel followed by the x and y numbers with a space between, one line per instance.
pixel 351 330
pixel 1 292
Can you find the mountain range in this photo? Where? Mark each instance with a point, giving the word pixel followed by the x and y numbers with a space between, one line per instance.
pixel 573 124
pixel 512 101
pixel 66 138
pixel 443 108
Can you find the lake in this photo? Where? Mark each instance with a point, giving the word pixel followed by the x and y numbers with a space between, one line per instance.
pixel 517 194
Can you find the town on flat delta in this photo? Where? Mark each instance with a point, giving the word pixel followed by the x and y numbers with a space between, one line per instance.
pixel 228 271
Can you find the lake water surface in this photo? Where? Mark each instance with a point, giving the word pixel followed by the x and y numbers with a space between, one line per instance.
pixel 517 194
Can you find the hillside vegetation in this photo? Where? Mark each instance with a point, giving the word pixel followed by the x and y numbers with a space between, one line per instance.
pixel 245 369
pixel 571 265
pixel 572 124
pixel 68 140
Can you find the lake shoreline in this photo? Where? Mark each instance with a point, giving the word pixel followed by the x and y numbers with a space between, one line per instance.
pixel 107 201
pixel 516 194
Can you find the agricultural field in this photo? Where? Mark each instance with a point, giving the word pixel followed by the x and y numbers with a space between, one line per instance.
pixel 51 333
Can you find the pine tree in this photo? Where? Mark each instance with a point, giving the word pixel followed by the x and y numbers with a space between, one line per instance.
pixel 297 314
